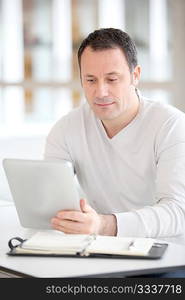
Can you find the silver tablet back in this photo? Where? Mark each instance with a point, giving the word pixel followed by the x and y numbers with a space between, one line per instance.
pixel 41 188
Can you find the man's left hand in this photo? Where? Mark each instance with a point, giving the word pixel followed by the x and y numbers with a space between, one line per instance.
pixel 86 221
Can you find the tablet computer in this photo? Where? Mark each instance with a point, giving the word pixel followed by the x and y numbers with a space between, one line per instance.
pixel 40 189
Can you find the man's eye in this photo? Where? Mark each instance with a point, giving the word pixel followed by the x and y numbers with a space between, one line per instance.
pixel 90 80
pixel 112 79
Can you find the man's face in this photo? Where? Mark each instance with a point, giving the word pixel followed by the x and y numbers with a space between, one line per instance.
pixel 108 84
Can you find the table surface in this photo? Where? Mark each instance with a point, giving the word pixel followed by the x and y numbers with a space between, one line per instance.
pixel 55 267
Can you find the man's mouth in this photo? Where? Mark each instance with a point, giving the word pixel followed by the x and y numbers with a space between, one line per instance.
pixel 104 104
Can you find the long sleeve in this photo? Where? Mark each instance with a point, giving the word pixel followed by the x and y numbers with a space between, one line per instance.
pixel 167 217
pixel 57 148
pixel 56 143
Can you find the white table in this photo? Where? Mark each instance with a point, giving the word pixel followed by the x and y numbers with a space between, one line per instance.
pixel 55 267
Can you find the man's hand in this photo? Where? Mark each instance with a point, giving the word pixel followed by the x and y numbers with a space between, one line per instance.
pixel 86 221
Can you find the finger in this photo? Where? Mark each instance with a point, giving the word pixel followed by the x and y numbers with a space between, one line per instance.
pixel 85 207
pixel 71 216
pixel 63 229
pixel 72 226
pixel 66 229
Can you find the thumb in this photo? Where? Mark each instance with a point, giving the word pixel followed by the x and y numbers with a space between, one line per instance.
pixel 85 207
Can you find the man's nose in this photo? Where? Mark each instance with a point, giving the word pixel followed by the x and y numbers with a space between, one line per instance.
pixel 101 90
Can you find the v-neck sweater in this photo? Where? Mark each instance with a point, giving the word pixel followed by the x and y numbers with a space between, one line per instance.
pixel 138 175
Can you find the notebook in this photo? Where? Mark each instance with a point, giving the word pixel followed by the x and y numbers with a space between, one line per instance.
pixel 56 243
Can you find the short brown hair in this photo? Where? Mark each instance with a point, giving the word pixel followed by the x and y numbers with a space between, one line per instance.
pixel 110 38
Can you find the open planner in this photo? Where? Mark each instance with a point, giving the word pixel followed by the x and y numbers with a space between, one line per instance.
pixel 56 243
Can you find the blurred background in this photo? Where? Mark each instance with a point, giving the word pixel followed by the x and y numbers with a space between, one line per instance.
pixel 39 78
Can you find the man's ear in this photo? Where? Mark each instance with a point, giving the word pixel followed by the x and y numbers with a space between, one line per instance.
pixel 136 75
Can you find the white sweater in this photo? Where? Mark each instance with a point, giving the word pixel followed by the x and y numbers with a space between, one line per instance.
pixel 138 175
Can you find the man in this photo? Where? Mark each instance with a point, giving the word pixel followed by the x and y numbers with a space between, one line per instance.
pixel 128 152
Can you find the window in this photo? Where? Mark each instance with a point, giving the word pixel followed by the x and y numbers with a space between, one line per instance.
pixel 39 79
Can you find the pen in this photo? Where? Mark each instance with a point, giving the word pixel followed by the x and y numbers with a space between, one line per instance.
pixel 131 245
